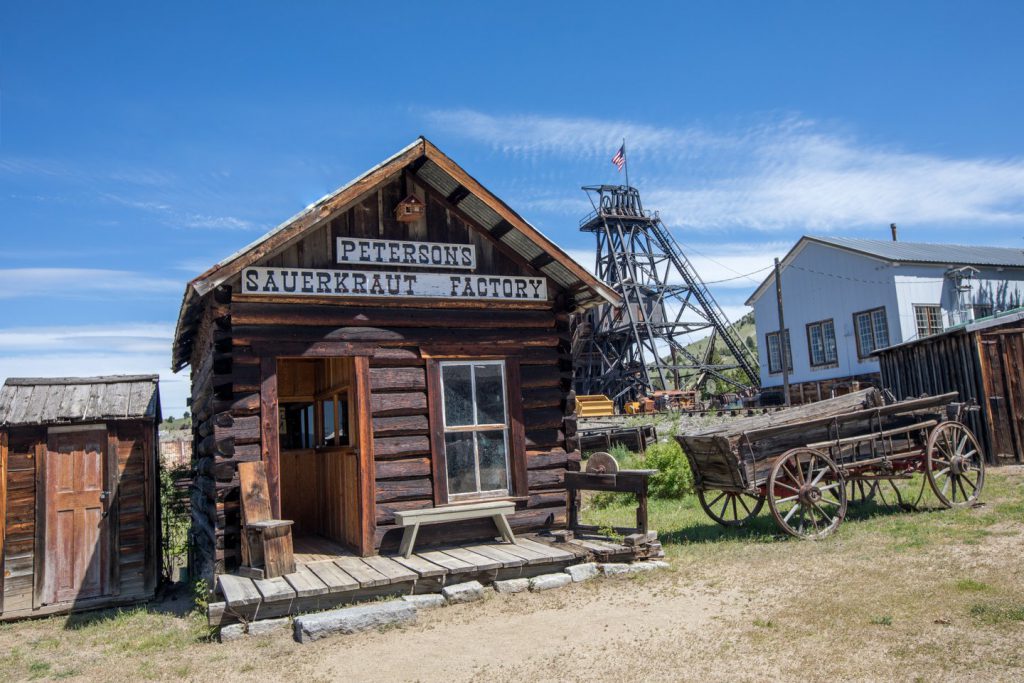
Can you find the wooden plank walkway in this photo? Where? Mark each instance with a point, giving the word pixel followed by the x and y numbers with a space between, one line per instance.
pixel 327 574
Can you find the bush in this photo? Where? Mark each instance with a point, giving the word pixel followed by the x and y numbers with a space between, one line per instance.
pixel 175 518
pixel 674 479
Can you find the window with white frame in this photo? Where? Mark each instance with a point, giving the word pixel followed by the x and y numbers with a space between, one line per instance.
pixel 981 310
pixel 928 318
pixel 872 329
pixel 476 433
pixel 821 343
pixel 775 353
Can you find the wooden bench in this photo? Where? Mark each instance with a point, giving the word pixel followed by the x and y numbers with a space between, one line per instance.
pixel 413 519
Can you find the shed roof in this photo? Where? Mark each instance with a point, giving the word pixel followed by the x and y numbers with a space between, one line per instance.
pixel 69 400
pixel 928 253
pixel 434 168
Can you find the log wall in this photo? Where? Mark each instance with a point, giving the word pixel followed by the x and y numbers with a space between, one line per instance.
pixel 237 339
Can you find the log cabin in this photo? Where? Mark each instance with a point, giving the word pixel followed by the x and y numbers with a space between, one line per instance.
pixel 78 493
pixel 401 344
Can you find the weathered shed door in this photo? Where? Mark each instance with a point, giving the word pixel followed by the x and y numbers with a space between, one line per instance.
pixel 1002 362
pixel 77 543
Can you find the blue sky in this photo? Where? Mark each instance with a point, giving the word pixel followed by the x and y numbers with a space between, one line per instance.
pixel 139 144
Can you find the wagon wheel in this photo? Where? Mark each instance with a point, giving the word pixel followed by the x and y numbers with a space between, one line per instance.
pixel 807 493
pixel 955 466
pixel 860 491
pixel 730 508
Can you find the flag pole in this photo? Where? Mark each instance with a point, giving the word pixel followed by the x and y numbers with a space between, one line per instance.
pixel 625 161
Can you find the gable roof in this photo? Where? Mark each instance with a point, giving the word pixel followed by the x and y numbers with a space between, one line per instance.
pixel 435 169
pixel 926 253
pixel 69 400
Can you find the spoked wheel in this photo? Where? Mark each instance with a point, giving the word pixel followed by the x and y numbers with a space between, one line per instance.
pixel 955 466
pixel 806 493
pixel 860 491
pixel 730 508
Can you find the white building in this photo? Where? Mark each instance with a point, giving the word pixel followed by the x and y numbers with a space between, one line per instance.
pixel 845 297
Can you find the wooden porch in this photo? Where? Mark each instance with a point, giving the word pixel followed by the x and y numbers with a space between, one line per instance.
pixel 328 575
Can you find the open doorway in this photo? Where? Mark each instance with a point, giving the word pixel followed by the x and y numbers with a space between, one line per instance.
pixel 319 455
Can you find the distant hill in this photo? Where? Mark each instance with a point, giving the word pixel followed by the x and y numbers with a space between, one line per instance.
pixel 744 329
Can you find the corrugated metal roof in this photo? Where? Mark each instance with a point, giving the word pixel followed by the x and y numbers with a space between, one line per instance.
pixel 927 252
pixel 67 400
pixel 437 178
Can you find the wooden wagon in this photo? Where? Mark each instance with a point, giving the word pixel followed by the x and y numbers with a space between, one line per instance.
pixel 810 462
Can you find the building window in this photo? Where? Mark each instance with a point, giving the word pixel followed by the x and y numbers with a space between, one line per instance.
pixel 928 318
pixel 297 426
pixel 872 330
pixel 982 310
pixel 821 343
pixel 775 353
pixel 333 415
pixel 476 428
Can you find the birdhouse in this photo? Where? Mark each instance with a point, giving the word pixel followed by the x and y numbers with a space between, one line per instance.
pixel 409 209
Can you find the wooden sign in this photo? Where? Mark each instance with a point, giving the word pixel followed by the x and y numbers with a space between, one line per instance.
pixel 362 283
pixel 367 252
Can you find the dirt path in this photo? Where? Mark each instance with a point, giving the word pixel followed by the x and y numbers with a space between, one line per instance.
pixel 555 636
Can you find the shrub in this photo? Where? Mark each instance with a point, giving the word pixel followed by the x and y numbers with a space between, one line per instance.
pixel 674 478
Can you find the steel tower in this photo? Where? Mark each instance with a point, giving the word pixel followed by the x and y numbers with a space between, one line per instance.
pixel 628 351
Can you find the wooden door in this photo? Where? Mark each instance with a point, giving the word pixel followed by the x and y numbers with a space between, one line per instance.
pixel 77 543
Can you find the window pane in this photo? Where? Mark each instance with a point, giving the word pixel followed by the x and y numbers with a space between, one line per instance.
pixel 296 426
pixel 493 468
pixel 458 392
pixel 864 333
pixel 458 450
pixel 774 360
pixel 881 329
pixel 490 399
pixel 327 411
pixel 817 348
pixel 343 435
pixel 829 332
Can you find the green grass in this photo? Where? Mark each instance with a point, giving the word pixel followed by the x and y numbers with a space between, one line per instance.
pixel 687 531
pixel 971 586
pixel 997 614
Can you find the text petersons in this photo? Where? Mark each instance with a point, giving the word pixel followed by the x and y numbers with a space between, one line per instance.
pixel 310 282
pixel 367 252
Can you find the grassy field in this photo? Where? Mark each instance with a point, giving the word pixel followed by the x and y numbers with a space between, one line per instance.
pixel 892 595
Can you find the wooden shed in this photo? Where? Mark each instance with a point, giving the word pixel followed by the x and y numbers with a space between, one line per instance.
pixel 984 361
pixel 79 469
pixel 378 363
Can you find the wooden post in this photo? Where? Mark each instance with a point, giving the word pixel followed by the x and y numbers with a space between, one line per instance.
pixel 367 473
pixel 782 332
pixel 269 427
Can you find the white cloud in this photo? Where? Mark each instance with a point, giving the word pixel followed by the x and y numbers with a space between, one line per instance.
pixel 116 349
pixel 67 282
pixel 194 220
pixel 786 174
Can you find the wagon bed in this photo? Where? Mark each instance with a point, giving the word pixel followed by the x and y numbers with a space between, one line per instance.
pixel 808 461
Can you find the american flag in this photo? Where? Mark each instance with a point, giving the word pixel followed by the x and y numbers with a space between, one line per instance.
pixel 620 158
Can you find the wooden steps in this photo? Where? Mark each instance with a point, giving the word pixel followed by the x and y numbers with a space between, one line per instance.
pixel 332 576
